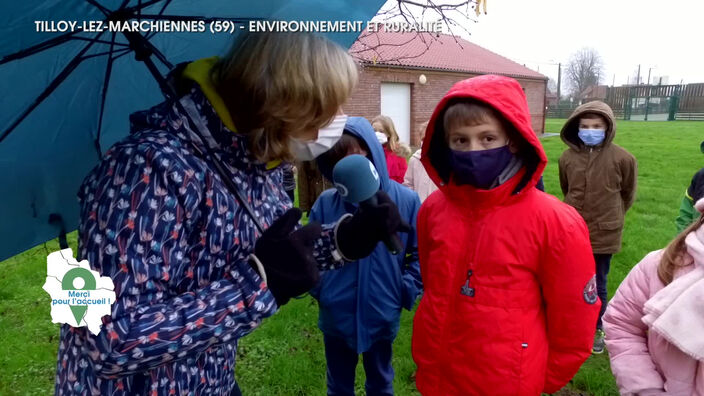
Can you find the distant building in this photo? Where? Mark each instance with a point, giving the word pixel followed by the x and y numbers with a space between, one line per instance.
pixel 551 99
pixel 404 75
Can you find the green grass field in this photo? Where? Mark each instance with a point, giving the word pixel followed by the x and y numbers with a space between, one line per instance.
pixel 285 356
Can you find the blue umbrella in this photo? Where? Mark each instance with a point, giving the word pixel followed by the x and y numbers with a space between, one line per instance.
pixel 66 95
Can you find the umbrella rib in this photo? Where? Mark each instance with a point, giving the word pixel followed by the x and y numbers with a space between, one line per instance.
pixel 152 34
pixel 196 18
pixel 99 41
pixel 106 82
pixel 157 53
pixel 97 5
pixel 144 5
pixel 121 55
pixel 66 37
pixel 121 51
pixel 49 89
pixel 162 58
pixel 148 36
pixel 38 48
pixel 168 2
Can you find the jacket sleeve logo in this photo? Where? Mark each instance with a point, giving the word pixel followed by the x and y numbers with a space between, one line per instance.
pixel 590 293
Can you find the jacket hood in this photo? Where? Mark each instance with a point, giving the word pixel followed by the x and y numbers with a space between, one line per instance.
pixel 506 96
pixel 571 127
pixel 360 128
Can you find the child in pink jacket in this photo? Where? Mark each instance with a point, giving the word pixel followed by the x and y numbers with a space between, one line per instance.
pixel 655 323
pixel 416 177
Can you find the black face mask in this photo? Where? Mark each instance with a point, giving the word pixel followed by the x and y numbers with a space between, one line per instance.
pixel 479 168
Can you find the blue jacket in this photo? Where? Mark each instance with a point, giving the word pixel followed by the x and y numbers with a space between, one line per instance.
pixel 362 301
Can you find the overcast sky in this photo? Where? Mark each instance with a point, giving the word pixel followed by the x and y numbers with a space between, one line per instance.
pixel 666 35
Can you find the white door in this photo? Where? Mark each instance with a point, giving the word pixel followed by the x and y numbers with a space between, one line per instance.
pixel 396 103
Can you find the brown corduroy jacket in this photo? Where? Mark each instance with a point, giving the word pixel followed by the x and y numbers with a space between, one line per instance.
pixel 599 181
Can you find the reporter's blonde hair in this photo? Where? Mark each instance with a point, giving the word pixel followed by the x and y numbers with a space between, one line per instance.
pixel 277 84
pixel 423 126
pixel 389 130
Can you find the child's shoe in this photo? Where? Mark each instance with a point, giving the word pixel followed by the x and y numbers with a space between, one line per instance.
pixel 599 343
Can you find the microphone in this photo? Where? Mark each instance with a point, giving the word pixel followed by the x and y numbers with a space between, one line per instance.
pixel 357 181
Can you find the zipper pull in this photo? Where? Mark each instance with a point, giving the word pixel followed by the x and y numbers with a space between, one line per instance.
pixel 466 290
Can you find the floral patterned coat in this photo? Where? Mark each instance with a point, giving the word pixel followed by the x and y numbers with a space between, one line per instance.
pixel 157 219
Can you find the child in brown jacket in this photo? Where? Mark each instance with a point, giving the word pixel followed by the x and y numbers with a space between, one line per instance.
pixel 598 178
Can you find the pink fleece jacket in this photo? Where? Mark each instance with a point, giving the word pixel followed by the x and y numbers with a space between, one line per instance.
pixel 643 361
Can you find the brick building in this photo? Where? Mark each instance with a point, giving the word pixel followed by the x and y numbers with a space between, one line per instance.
pixel 404 75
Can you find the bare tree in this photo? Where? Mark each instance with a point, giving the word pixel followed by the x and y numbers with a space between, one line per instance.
pixel 585 68
pixel 454 16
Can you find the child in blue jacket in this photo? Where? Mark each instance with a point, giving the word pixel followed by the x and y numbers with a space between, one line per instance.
pixel 360 304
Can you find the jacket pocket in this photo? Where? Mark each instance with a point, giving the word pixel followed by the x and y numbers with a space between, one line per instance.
pixel 610 225
pixel 613 179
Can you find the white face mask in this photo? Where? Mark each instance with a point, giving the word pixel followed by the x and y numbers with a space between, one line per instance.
pixel 381 137
pixel 327 137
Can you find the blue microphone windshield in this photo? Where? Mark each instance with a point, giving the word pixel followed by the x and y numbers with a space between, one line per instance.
pixel 355 178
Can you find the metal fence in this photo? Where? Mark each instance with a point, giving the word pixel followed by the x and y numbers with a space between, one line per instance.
pixel 648 103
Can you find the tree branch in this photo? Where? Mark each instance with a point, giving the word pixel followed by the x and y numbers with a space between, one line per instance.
pixel 453 15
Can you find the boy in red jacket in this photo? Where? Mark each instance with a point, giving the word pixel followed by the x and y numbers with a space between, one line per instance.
pixel 510 293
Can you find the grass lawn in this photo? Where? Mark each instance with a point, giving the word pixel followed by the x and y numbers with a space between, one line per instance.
pixel 285 356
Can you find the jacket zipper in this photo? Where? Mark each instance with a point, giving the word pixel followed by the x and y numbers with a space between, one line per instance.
pixel 466 289
pixel 588 173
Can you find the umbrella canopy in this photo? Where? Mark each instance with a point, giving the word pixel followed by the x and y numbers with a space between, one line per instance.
pixel 66 96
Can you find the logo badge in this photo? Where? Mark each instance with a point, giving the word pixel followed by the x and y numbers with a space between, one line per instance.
pixel 342 189
pixel 78 279
pixel 374 172
pixel 79 295
pixel 590 293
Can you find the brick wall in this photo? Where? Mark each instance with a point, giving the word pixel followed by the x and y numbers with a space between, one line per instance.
pixel 366 99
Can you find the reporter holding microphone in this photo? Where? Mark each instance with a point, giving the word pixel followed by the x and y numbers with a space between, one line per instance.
pixel 189 217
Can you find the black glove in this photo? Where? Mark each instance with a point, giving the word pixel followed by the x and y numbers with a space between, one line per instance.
pixel 287 256
pixel 377 219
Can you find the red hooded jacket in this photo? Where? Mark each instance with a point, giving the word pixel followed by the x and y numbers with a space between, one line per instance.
pixel 395 164
pixel 523 260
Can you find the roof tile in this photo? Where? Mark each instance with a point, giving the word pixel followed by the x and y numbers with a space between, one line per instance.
pixel 432 51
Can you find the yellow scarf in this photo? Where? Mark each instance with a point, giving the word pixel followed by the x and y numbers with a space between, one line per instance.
pixel 199 71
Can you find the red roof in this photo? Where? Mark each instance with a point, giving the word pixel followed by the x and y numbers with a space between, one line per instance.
pixel 428 51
